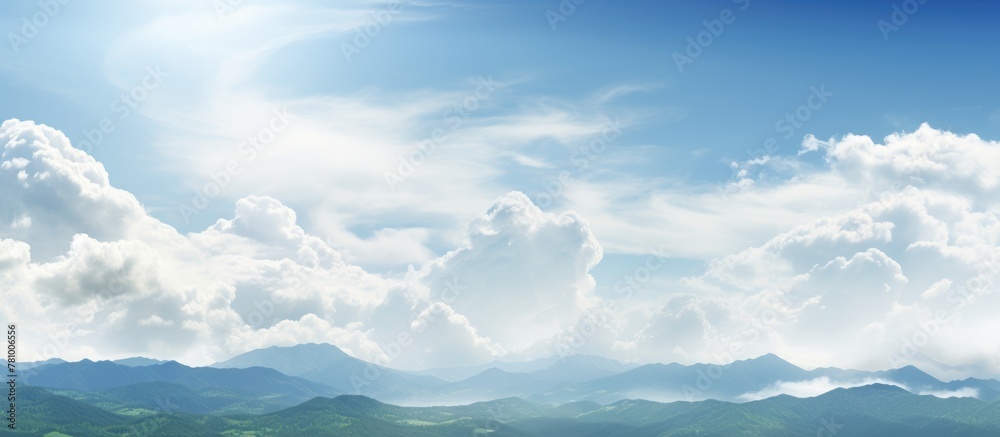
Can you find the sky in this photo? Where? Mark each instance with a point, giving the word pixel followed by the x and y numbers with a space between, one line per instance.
pixel 427 183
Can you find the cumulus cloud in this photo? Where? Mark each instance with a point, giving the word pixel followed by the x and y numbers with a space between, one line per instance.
pixel 887 281
pixel 927 158
pixel 129 285
pixel 53 191
pixel 901 275
pixel 524 275
pixel 863 246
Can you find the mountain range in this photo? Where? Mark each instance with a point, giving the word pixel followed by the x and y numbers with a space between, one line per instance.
pixel 317 387
pixel 872 410
pixel 581 377
pixel 301 372
pixel 172 386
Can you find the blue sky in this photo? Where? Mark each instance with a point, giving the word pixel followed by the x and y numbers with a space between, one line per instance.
pixel 935 68
pixel 581 107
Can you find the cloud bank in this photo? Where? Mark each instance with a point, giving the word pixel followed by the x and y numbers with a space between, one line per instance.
pixel 817 386
pixel 903 272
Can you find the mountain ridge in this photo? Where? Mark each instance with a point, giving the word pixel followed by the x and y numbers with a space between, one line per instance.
pixel 875 409
pixel 566 379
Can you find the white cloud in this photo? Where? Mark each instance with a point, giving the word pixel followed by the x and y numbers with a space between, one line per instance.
pixel 964 392
pixel 885 281
pixel 95 273
pixel 811 388
pixel 352 140
pixel 817 386
pixel 384 248
pixel 54 191
pixel 524 275
pixel 22 221
pixel 137 287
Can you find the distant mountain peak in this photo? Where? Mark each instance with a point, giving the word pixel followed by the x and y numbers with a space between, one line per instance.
pixel 293 360
pixel 770 357
pixel 137 361
pixel 313 346
pixel 867 390
pixel 769 360
pixel 910 369
pixel 507 401
pixel 495 372
pixel 354 403
pixel 912 375
pixel 583 357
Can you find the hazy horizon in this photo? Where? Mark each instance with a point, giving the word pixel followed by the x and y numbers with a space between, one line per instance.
pixel 515 359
